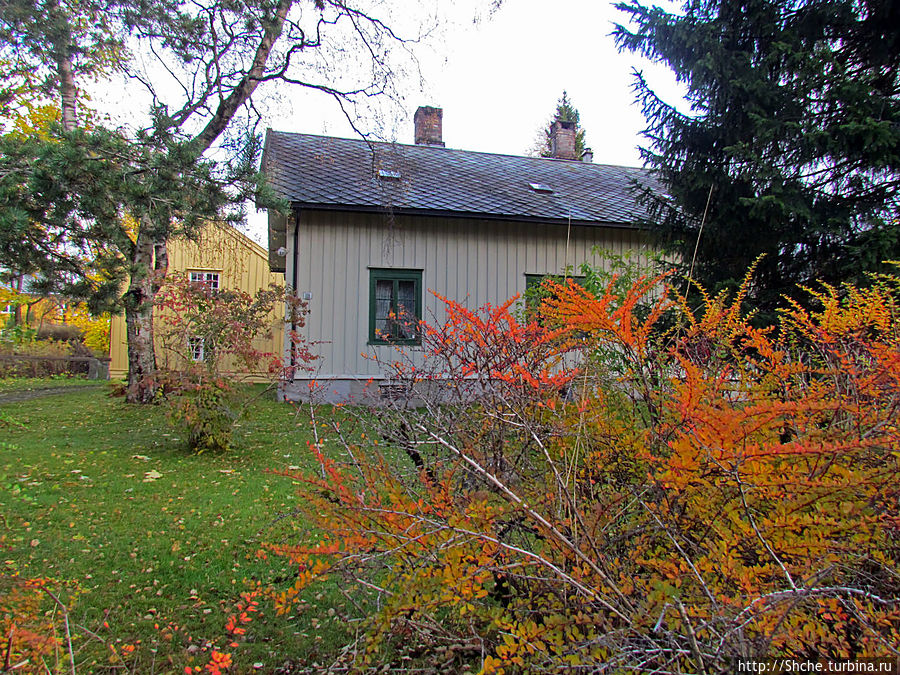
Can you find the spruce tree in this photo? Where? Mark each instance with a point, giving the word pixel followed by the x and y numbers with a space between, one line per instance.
pixel 565 112
pixel 789 143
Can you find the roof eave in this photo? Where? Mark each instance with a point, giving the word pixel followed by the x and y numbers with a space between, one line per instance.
pixel 474 215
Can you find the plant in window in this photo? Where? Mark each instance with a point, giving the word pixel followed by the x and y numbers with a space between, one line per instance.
pixel 395 306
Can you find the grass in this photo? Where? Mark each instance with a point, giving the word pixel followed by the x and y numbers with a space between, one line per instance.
pixel 157 543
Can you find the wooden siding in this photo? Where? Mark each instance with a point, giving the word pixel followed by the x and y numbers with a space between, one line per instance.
pixel 471 261
pixel 241 263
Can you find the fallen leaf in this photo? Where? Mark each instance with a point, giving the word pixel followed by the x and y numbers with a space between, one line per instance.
pixel 152 475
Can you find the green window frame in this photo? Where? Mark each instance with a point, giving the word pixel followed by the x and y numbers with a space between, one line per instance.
pixel 391 320
pixel 534 294
pixel 537 279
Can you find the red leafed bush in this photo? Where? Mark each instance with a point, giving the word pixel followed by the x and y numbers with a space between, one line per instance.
pixel 212 341
pixel 34 623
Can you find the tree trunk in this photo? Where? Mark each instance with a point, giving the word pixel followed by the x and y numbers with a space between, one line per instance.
pixel 150 258
pixel 139 298
pixel 61 37
pixel 67 89
pixel 244 89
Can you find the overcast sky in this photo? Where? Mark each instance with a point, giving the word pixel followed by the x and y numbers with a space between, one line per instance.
pixel 503 77
pixel 498 80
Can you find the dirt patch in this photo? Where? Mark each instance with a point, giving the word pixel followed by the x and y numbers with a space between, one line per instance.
pixel 28 394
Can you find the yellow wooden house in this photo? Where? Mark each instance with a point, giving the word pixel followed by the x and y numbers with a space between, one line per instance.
pixel 224 258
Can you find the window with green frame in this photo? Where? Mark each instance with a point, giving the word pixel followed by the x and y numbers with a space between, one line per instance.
pixel 535 292
pixel 395 306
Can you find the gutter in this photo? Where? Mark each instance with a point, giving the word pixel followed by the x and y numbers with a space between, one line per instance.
pixel 473 215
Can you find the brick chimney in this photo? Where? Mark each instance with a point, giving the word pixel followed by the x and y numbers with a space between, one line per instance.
pixel 428 122
pixel 562 140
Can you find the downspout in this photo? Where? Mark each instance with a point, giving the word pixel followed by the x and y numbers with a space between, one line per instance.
pixel 293 253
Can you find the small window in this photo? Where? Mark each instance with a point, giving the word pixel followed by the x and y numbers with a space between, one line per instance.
pixel 541 188
pixel 196 347
pixel 386 174
pixel 535 292
pixel 393 391
pixel 211 279
pixel 535 280
pixel 395 306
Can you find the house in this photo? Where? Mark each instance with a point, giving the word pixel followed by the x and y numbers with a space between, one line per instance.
pixel 222 257
pixel 373 227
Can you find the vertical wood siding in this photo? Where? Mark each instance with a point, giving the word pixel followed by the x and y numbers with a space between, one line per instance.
pixel 471 261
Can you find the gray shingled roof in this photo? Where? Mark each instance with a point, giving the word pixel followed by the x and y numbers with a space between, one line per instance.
pixel 340 173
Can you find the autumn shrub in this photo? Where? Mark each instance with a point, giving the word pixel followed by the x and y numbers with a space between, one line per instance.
pixel 210 339
pixel 206 412
pixel 34 624
pixel 94 329
pixel 721 492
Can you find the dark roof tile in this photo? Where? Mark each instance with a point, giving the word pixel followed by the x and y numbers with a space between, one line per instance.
pixel 326 172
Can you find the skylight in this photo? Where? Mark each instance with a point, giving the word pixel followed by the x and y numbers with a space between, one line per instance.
pixel 541 188
pixel 386 174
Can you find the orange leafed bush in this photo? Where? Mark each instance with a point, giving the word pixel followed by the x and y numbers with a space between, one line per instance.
pixel 626 484
pixel 33 622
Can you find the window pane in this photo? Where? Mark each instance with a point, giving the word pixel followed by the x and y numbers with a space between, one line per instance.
pixel 395 305
pixel 384 289
pixel 406 309
pixel 196 346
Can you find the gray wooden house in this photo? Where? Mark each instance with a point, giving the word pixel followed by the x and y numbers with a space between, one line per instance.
pixel 373 227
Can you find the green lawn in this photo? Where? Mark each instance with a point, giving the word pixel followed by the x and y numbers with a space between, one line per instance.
pixel 102 494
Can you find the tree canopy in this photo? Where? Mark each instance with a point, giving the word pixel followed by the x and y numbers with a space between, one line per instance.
pixel 791 143
pixel 47 46
pixel 90 210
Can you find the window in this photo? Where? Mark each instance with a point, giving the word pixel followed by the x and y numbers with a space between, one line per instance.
pixel 535 292
pixel 196 347
pixel 534 281
pixel 395 306
pixel 211 279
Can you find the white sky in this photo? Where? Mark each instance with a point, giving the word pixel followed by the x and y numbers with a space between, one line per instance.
pixel 498 80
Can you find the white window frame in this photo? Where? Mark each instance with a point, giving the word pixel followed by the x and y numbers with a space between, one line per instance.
pixel 197 348
pixel 211 279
